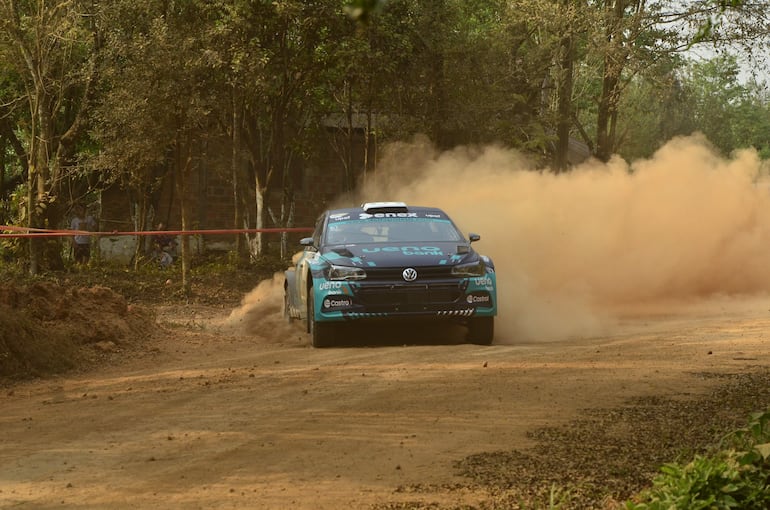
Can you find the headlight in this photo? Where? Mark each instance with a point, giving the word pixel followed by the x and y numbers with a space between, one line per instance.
pixel 474 269
pixel 346 273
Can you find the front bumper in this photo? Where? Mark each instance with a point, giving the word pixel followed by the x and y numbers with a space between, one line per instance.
pixel 440 298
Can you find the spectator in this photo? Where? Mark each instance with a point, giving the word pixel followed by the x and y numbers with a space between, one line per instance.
pixel 163 247
pixel 81 244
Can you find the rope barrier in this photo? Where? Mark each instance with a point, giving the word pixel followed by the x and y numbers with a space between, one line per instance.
pixel 25 232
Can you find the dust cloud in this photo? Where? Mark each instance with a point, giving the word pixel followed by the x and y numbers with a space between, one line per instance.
pixel 261 313
pixel 576 252
pixel 686 231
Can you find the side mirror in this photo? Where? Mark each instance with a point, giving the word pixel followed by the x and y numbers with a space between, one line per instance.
pixel 306 241
pixel 473 237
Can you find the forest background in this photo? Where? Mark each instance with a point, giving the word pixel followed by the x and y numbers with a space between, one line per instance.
pixel 137 93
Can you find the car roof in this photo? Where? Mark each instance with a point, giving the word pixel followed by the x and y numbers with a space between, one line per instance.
pixel 384 208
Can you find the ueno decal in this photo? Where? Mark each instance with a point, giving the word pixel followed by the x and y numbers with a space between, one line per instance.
pixel 407 250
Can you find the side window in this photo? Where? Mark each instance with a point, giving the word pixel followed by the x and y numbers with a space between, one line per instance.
pixel 319 228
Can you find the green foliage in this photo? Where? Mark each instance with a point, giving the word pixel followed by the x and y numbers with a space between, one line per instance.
pixel 140 91
pixel 735 477
pixel 46 56
pixel 362 10
pixel 732 114
pixel 707 97
pixel 155 86
pixel 13 212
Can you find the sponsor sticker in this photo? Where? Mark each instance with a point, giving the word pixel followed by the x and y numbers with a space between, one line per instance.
pixel 407 250
pixel 366 216
pixel 482 281
pixel 337 303
pixel 330 285
pixel 479 299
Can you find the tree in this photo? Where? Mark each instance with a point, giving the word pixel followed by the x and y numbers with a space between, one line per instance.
pixel 731 114
pixel 238 62
pixel 466 72
pixel 565 63
pixel 13 156
pixel 635 38
pixel 549 39
pixel 154 114
pixel 655 107
pixel 297 42
pixel 51 47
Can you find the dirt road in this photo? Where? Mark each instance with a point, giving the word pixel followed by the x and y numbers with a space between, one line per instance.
pixel 244 414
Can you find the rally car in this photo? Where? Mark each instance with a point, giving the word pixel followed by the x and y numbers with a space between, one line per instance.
pixel 387 260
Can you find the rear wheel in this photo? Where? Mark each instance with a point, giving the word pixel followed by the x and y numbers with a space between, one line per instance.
pixel 321 333
pixel 286 313
pixel 481 330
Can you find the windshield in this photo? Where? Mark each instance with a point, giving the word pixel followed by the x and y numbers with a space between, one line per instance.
pixel 390 230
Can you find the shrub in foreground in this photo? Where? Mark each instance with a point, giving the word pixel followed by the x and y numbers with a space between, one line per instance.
pixel 736 476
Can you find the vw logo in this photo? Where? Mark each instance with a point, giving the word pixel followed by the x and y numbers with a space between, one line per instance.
pixel 409 274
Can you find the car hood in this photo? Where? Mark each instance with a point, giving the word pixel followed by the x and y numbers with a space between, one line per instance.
pixel 399 254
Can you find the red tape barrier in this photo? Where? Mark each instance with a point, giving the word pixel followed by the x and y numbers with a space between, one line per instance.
pixel 41 232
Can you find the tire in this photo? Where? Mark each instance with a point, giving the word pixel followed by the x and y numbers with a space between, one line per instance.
pixel 321 333
pixel 286 313
pixel 481 330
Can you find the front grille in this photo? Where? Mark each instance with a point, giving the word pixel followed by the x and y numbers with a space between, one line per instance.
pixel 408 297
pixel 395 273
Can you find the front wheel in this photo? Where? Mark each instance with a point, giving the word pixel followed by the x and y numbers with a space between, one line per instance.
pixel 321 333
pixel 481 330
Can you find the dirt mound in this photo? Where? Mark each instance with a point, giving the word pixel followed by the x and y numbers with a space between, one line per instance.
pixel 47 328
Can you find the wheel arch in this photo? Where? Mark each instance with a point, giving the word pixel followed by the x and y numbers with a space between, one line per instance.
pixel 308 292
pixel 290 291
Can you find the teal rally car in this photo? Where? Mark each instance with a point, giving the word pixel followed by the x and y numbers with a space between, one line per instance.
pixel 389 261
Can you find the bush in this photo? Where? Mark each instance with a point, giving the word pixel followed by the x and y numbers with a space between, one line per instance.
pixel 734 477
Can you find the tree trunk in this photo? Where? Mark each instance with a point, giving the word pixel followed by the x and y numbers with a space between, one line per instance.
pixel 607 106
pixel 33 187
pixel 183 167
pixel 34 244
pixel 438 98
pixel 140 224
pixel 613 66
pixel 261 216
pixel 239 220
pixel 3 145
pixel 43 185
pixel 287 212
pixel 367 143
pixel 564 109
pixel 350 173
